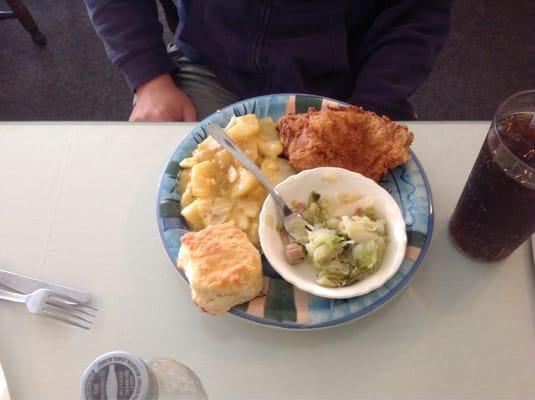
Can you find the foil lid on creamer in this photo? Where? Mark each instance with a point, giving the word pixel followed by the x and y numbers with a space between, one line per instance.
pixel 116 376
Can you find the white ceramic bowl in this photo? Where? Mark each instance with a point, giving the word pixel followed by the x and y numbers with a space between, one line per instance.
pixel 331 182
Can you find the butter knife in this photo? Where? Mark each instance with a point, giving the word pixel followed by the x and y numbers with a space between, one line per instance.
pixel 533 249
pixel 4 392
pixel 26 285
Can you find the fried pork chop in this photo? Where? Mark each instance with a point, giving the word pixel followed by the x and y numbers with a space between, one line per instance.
pixel 346 137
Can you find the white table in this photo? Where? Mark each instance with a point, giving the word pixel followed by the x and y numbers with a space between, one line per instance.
pixel 77 207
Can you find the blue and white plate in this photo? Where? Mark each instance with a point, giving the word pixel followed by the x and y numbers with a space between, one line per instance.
pixel 285 306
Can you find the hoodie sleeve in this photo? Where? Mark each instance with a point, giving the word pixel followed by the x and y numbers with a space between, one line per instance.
pixel 398 53
pixel 132 36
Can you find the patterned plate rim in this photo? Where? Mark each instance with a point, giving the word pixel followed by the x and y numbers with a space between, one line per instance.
pixel 350 317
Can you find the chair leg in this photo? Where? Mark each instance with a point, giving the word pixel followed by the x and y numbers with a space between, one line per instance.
pixel 27 21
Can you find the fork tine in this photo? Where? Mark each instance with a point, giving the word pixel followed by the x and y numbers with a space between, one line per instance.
pixel 86 306
pixel 65 310
pixel 66 320
pixel 71 317
pixel 80 305
pixel 69 307
pixel 70 301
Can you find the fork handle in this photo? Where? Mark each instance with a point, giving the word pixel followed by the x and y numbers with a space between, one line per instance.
pixel 17 298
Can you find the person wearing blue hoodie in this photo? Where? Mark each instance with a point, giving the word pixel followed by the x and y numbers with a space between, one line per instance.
pixel 370 53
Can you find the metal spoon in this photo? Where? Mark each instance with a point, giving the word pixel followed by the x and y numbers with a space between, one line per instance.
pixel 289 217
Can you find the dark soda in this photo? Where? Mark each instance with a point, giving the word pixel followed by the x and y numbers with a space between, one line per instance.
pixel 496 211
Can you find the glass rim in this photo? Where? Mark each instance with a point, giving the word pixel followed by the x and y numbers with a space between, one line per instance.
pixel 499 134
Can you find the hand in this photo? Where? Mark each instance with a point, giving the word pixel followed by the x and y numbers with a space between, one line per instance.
pixel 160 100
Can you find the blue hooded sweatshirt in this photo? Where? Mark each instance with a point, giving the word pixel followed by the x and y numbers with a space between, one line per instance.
pixel 371 53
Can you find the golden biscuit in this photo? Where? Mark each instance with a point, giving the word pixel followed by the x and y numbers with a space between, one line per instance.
pixel 223 267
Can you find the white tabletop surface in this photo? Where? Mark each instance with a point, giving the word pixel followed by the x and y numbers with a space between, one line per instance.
pixel 77 206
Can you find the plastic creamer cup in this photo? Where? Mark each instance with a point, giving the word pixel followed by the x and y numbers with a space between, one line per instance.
pixel 121 375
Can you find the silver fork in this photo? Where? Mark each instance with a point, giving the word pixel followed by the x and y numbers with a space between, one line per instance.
pixel 53 305
pixel 289 217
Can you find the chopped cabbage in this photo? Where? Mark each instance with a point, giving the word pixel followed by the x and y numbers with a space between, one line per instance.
pixel 315 213
pixel 324 245
pixel 344 249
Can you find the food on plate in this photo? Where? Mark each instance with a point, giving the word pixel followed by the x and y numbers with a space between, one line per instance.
pixel 222 266
pixel 217 189
pixel 347 243
pixel 346 137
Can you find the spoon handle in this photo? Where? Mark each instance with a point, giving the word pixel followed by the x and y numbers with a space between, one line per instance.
pixel 224 140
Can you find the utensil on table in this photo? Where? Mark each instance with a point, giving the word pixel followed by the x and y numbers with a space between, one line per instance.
pixel 26 285
pixel 4 391
pixel 53 305
pixel 290 217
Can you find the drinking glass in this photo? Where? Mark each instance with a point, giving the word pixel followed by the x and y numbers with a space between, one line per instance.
pixel 496 211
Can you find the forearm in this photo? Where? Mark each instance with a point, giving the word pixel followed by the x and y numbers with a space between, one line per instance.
pixel 398 54
pixel 132 36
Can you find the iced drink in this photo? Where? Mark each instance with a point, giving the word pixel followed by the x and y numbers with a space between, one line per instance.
pixel 496 211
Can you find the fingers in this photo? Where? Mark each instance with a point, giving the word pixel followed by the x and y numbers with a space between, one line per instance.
pixel 189 113
pixel 133 116
pixel 163 103
pixel 186 113
pixel 143 114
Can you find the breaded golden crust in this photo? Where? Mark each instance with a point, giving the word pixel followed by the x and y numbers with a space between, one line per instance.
pixel 223 267
pixel 346 137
